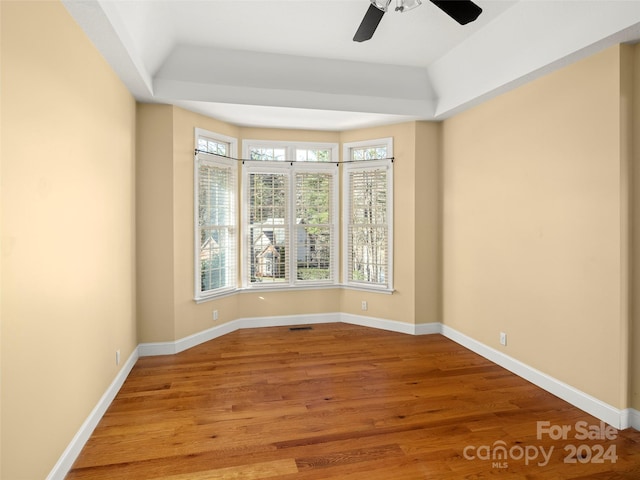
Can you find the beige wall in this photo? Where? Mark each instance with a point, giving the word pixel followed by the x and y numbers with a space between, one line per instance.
pixel 634 344
pixel 1 240
pixel 428 224
pixel 415 227
pixel 509 217
pixel 68 288
pixel 534 186
pixel 191 317
pixel 154 222
pixel 178 315
pixel 401 305
pixel 413 158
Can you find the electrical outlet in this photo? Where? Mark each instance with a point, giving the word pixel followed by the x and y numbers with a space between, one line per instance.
pixel 364 305
pixel 215 314
pixel 503 338
pixel 117 357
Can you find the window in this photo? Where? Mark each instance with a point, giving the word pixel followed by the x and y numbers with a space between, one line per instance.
pixel 268 226
pixel 315 224
pixel 368 209
pixel 289 218
pixel 215 215
pixel 290 215
pixel 209 145
pixel 313 155
pixel 268 154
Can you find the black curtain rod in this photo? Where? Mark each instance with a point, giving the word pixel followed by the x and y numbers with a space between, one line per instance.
pixel 289 161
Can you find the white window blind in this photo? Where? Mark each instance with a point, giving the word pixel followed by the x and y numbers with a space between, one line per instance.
pixel 315 220
pixel 268 227
pixel 216 226
pixel 290 215
pixel 215 190
pixel 368 248
pixel 368 200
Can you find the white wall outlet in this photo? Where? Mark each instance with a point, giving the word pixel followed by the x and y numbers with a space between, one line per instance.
pixel 215 314
pixel 503 338
pixel 117 357
pixel 365 306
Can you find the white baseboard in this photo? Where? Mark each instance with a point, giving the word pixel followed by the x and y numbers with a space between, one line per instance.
pixel 379 323
pixel 631 419
pixel 170 348
pixel 617 418
pixel 613 416
pixel 69 456
pixel 599 409
pixel 428 328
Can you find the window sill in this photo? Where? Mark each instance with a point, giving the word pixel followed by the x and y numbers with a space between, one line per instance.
pixel 365 288
pixel 216 295
pixel 289 288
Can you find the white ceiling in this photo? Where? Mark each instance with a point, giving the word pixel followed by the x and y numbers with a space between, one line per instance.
pixel 293 64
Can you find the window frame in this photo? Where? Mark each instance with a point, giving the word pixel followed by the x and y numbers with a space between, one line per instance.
pixel 291 167
pixel 341 204
pixel 227 161
pixel 364 165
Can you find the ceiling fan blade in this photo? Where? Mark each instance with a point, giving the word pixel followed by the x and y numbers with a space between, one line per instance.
pixel 369 24
pixel 462 11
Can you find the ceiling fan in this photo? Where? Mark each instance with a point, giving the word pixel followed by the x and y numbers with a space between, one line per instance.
pixel 462 11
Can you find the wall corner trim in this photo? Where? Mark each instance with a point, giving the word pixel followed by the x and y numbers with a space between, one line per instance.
pixel 70 454
pixel 630 418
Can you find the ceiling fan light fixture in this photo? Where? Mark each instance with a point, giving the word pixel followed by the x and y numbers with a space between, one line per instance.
pixel 406 5
pixel 462 11
pixel 381 4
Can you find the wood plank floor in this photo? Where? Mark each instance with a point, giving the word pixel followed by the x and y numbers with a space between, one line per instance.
pixel 341 402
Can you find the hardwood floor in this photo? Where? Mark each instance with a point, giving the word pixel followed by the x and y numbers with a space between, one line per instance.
pixel 341 402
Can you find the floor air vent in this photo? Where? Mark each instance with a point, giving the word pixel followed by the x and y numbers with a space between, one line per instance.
pixel 300 328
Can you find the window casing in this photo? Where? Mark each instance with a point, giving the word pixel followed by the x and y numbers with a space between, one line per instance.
pixel 290 215
pixel 368 215
pixel 215 216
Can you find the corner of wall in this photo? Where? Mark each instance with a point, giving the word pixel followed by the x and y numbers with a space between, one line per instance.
pixel 428 222
pixel 154 226
pixel 634 327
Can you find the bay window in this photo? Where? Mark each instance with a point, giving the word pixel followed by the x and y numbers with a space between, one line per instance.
pixel 287 229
